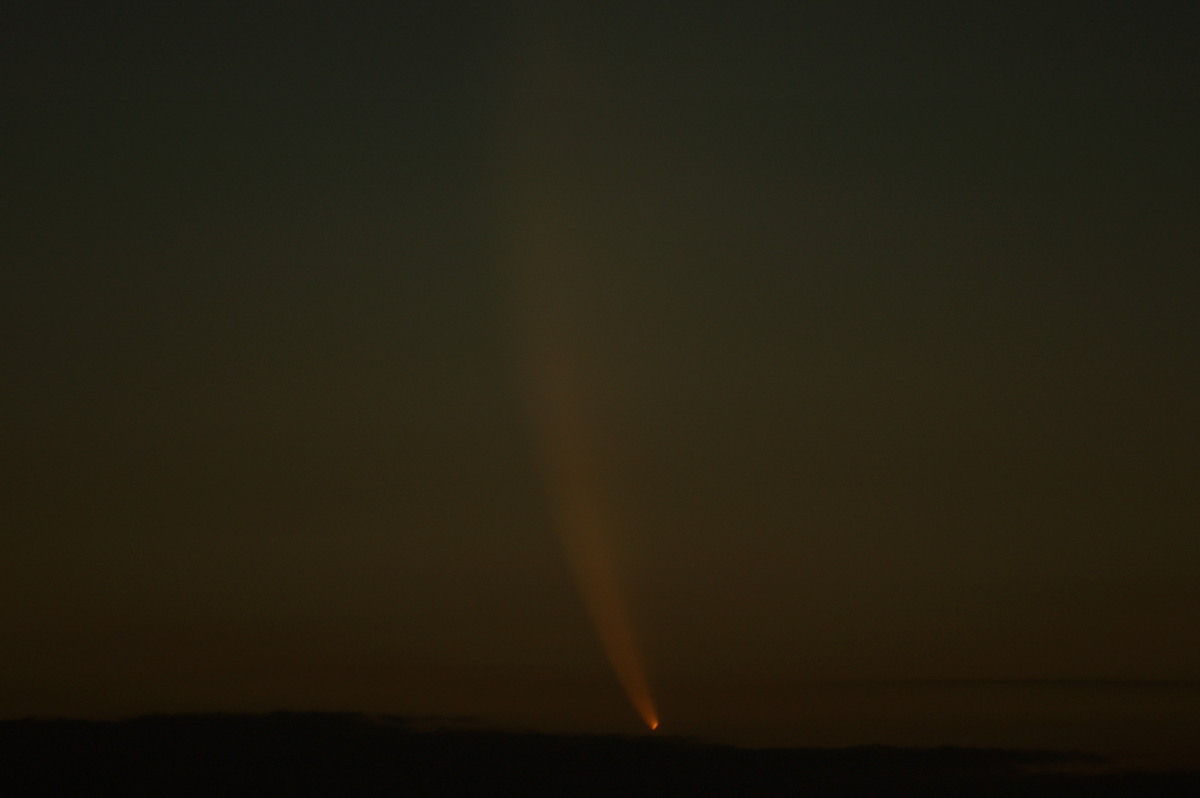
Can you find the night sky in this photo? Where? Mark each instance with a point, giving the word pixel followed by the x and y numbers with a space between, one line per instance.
pixel 876 326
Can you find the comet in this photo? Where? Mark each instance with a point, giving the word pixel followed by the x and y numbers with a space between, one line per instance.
pixel 547 267
pixel 582 512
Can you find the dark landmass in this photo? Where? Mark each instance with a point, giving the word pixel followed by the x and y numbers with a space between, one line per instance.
pixel 351 755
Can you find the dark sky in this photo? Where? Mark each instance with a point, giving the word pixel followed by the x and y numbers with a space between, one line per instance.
pixel 884 316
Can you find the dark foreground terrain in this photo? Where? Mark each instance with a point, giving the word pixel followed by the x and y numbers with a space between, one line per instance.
pixel 349 755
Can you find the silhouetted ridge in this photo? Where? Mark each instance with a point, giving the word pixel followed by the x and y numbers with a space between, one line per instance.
pixel 348 755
